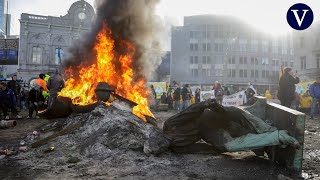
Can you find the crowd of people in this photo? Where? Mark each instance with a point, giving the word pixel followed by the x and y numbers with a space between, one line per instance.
pixel 37 97
pixel 179 97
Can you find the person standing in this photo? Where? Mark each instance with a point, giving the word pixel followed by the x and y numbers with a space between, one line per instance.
pixel 218 92
pixel 55 85
pixel 176 98
pixel 41 82
pixel 186 96
pixel 170 98
pixel 287 86
pixel 15 87
pixel 8 101
pixel 197 95
pixel 226 91
pixel 314 91
pixel 250 92
pixel 305 103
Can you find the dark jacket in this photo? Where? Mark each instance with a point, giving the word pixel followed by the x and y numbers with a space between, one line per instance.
pixel 35 96
pixel 314 90
pixel 164 99
pixel 169 96
pixel 287 87
pixel 250 92
pixel 218 92
pixel 55 84
pixel 197 97
pixel 14 86
pixel 7 98
pixel 176 94
pixel 186 93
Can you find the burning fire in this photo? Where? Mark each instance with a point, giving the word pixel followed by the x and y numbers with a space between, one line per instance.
pixel 114 69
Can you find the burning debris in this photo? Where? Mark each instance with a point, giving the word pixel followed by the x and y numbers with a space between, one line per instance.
pixel 119 50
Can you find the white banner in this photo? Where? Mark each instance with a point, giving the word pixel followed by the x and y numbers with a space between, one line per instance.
pixel 206 95
pixel 236 99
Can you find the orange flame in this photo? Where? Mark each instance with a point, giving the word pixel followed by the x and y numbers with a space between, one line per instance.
pixel 81 89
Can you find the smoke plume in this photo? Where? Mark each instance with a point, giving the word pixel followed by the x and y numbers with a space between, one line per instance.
pixel 131 20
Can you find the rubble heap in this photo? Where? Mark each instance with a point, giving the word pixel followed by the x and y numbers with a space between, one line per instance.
pixel 107 128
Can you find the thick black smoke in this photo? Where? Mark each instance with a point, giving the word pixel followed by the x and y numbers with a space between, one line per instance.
pixel 131 20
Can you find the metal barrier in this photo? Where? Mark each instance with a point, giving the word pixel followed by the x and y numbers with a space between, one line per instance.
pixel 282 118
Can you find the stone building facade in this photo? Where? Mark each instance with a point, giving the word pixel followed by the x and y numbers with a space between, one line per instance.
pixel 209 48
pixel 307 51
pixel 44 40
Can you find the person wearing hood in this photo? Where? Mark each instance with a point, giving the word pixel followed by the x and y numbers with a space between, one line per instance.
pixel 314 91
pixel 55 85
pixel 250 93
pixel 287 88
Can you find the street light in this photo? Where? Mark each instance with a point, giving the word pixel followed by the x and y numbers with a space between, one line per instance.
pixel 226 58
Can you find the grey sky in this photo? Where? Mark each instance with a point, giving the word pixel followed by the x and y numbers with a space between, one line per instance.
pixel 267 15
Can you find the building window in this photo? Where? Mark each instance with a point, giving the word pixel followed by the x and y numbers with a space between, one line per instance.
pixel 241 60
pixel 191 34
pixel 267 74
pixel 263 73
pixel 191 59
pixel 265 61
pixel 36 55
pixel 303 62
pixel 208 60
pixel 256 74
pixel 241 73
pixel 232 60
pixel 245 73
pixel 318 61
pixel 265 46
pixel 254 46
pixel 58 56
pixel 291 63
pixel 204 47
pixel 196 47
pixel 216 47
pixel 252 73
pixel 191 47
pixel 194 72
pixel 233 73
pixel 208 47
pixel 244 60
pixel 205 72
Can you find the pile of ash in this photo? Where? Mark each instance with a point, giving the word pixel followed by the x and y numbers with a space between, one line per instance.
pixel 98 133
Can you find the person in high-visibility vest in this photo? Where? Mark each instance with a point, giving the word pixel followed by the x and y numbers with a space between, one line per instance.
pixel 41 82
pixel 268 94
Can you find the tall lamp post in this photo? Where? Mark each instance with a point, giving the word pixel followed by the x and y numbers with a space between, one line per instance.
pixel 231 42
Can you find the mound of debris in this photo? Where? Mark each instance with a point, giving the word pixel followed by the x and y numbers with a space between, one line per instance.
pixel 105 128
